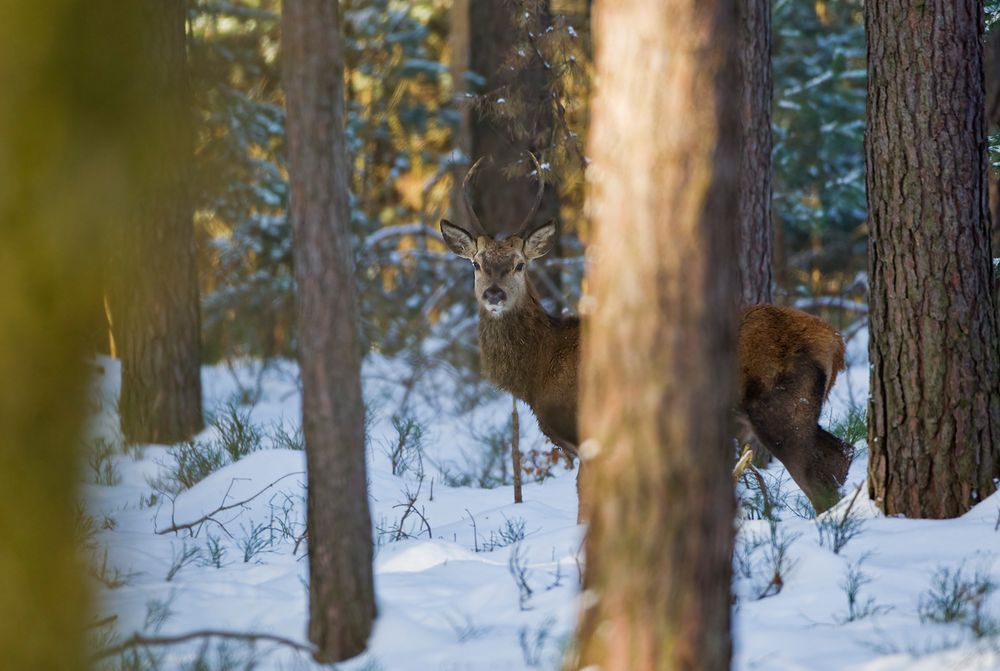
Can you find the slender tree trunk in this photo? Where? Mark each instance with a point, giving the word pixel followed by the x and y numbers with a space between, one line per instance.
pixel 515 450
pixel 935 353
pixel 458 39
pixel 154 294
pixel 658 352
pixel 502 201
pixel 69 115
pixel 991 63
pixel 341 591
pixel 755 276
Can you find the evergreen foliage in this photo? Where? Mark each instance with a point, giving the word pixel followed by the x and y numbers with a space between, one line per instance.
pixel 404 106
pixel 818 116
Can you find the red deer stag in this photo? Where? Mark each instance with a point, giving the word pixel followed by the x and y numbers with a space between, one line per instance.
pixel 788 360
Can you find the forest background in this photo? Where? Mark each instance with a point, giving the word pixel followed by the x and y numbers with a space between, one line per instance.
pixel 417 110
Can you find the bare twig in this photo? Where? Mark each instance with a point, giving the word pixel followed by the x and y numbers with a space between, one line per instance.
pixel 475 533
pixel 210 517
pixel 410 506
pixel 763 488
pixel 397 230
pixel 515 450
pixel 138 640
pixel 102 622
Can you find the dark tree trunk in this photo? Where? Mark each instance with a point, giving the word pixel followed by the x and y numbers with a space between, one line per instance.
pixel 154 294
pixel 755 274
pixel 935 354
pixel 341 591
pixel 458 39
pixel 658 351
pixel 991 62
pixel 503 201
pixel 755 159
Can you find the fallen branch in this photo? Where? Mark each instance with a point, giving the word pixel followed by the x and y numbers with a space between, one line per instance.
pixel 138 640
pixel 210 517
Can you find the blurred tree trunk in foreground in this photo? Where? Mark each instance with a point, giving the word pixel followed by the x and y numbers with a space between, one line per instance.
pixel 658 359
pixel 341 591
pixel 70 121
pixel 755 159
pixel 154 291
pixel 934 410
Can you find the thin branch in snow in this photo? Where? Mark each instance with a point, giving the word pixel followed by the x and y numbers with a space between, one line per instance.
pixel 210 517
pixel 138 640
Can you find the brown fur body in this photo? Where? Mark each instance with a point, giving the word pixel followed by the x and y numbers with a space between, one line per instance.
pixel 788 361
pixel 535 357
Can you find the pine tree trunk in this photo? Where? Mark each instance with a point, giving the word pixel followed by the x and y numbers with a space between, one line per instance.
pixel 154 295
pixel 500 200
pixel 991 63
pixel 341 591
pixel 755 275
pixel 459 42
pixel 935 383
pixel 658 353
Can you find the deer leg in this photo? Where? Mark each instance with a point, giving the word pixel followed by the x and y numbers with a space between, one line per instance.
pixel 784 418
pixel 569 448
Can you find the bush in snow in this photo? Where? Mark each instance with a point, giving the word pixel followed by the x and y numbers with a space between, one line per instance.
pixel 189 463
pixel 852 427
pixel 956 596
pixel 854 580
pixel 836 530
pixel 238 435
pixel 100 458
pixel 405 451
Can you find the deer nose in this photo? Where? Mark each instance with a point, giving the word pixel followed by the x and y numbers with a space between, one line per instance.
pixel 494 295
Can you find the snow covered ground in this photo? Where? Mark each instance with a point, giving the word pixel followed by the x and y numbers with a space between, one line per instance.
pixel 447 579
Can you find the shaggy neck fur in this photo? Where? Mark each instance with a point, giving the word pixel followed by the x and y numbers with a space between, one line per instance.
pixel 511 344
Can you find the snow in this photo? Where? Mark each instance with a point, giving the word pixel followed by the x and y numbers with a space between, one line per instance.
pixel 448 599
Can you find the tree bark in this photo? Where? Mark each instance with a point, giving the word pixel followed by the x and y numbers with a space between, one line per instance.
pixel 991 63
pixel 341 591
pixel 658 350
pixel 154 295
pixel 460 45
pixel 503 201
pixel 755 275
pixel 934 412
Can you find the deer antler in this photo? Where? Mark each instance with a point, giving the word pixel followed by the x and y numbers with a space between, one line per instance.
pixel 523 228
pixel 473 217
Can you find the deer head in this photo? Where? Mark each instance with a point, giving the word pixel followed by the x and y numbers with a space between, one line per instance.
pixel 500 264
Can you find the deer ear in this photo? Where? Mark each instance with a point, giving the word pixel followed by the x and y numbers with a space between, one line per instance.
pixel 459 240
pixel 539 242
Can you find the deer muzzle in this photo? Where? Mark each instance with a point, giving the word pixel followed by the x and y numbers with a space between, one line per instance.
pixel 494 295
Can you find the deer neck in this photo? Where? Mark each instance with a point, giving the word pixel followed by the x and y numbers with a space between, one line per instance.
pixel 511 344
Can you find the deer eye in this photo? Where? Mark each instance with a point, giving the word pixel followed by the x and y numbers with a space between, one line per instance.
pixel 519 267
pixel 475 264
